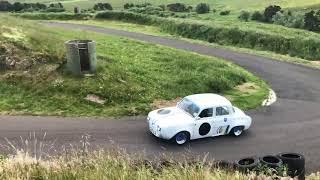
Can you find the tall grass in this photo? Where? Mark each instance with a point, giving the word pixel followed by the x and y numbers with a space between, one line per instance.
pixel 80 163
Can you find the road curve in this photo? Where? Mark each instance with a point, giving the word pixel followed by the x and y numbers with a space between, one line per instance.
pixel 290 124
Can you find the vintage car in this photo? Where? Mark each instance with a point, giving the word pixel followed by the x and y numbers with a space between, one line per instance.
pixel 198 116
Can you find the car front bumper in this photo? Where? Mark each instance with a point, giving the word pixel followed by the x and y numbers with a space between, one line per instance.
pixel 153 128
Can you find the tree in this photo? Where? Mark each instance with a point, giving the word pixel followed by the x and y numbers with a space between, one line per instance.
pixel 225 13
pixel 177 7
pixel 202 8
pixel 5 6
pixel 128 5
pixel 244 15
pixel 102 6
pixel 257 16
pixel 289 19
pixel 312 21
pixel 270 11
pixel 60 5
pixel 17 6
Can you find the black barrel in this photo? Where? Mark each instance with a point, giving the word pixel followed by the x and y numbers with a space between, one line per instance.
pixel 295 163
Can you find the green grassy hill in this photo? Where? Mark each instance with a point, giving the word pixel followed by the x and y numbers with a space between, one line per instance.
pixel 131 75
pixel 236 5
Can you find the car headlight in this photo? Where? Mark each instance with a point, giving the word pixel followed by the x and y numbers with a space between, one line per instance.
pixel 158 128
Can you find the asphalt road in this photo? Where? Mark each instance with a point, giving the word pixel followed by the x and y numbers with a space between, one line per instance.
pixel 291 124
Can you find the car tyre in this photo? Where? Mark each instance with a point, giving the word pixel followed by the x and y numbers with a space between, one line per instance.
pixel 295 163
pixel 247 164
pixel 271 161
pixel 237 131
pixel 181 138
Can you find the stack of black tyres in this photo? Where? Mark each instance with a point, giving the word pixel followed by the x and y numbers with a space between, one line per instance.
pixel 294 162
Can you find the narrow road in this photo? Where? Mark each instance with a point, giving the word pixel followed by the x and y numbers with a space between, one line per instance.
pixel 291 124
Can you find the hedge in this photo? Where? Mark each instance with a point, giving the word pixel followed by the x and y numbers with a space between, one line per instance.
pixel 54 16
pixel 302 47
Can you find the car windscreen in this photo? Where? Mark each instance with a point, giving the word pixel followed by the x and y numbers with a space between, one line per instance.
pixel 189 107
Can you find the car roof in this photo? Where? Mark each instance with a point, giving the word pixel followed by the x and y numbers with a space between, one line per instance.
pixel 209 100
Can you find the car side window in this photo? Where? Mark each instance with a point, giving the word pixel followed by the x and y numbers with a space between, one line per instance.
pixel 206 113
pixel 222 111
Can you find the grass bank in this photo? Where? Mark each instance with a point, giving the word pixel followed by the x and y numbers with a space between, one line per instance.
pixel 131 75
pixel 251 35
pixel 154 30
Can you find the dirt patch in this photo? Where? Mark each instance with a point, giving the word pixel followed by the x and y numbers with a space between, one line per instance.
pixel 158 104
pixel 18 62
pixel 316 63
pixel 12 34
pixel 94 98
pixel 248 88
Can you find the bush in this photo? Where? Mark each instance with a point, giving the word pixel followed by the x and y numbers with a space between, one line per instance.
pixel 128 17
pixel 244 15
pixel 55 10
pixel 143 5
pixel 19 7
pixel 177 7
pixel 202 8
pixel 257 16
pixel 5 6
pixel 270 11
pixel 312 21
pixel 102 6
pixel 128 5
pixel 289 19
pixel 56 5
pixel 147 10
pixel 163 7
pixel 224 13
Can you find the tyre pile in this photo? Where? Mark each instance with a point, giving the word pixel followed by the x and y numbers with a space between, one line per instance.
pixel 291 164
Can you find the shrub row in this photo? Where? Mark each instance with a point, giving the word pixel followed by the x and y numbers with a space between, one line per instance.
pixel 30 7
pixel 54 16
pixel 295 46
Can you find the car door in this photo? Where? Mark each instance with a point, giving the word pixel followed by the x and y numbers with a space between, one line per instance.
pixel 203 124
pixel 221 121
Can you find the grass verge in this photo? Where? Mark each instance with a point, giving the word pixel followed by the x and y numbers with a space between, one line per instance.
pixel 131 75
pixel 111 165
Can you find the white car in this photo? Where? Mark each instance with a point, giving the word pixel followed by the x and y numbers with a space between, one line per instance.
pixel 198 116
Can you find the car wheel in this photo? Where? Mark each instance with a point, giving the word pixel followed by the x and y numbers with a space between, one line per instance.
pixel 237 131
pixel 181 138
